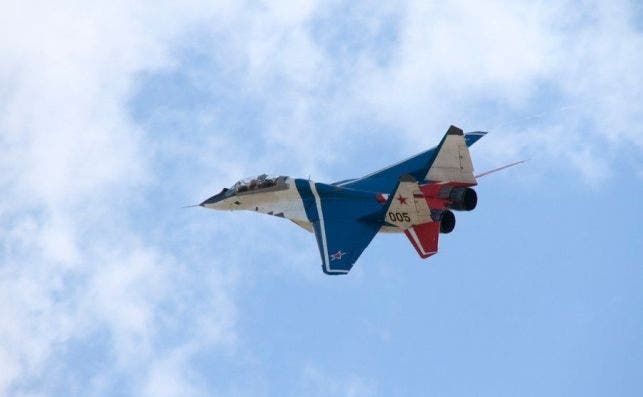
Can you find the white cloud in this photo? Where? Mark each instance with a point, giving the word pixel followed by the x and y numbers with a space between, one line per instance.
pixel 315 382
pixel 569 78
pixel 168 377
pixel 581 74
pixel 75 164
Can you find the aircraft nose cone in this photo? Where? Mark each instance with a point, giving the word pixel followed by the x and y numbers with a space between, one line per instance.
pixel 213 200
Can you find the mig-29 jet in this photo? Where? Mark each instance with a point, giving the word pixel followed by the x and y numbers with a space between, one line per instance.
pixel 414 197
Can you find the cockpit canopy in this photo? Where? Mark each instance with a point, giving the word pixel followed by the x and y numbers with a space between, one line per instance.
pixel 262 181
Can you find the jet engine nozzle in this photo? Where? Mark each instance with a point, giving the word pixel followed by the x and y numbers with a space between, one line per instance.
pixel 461 198
pixel 447 222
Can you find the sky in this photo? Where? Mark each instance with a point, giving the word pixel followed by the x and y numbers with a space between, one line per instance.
pixel 114 115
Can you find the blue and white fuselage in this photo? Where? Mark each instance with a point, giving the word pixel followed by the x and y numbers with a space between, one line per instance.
pixel 277 196
pixel 414 197
pixel 296 199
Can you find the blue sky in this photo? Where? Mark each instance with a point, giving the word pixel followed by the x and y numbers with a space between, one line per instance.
pixel 113 116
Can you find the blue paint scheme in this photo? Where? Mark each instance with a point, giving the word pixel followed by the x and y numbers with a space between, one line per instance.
pixel 306 194
pixel 350 211
pixel 351 218
pixel 349 237
pixel 347 195
pixel 346 215
pixel 472 137
pixel 310 206
pixel 320 245
pixel 385 180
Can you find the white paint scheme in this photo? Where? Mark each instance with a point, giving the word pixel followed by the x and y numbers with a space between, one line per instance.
pixel 286 201
pixel 322 228
pixel 405 202
pixel 305 225
pixel 403 211
pixel 453 162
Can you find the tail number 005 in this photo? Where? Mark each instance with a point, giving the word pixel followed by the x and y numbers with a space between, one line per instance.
pixel 399 217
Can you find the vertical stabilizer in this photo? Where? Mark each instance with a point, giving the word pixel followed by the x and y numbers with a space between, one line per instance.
pixel 452 162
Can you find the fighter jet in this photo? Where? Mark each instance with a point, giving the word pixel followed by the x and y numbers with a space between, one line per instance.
pixel 416 197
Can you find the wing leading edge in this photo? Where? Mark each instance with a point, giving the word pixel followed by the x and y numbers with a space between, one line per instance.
pixel 340 219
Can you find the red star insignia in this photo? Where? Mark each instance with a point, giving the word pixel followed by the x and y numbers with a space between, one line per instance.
pixel 402 199
pixel 337 256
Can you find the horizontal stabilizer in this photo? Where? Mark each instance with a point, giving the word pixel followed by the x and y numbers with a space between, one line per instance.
pixel 424 238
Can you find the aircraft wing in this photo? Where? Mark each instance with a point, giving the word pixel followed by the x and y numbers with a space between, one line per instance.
pixel 341 242
pixel 342 220
pixel 449 161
